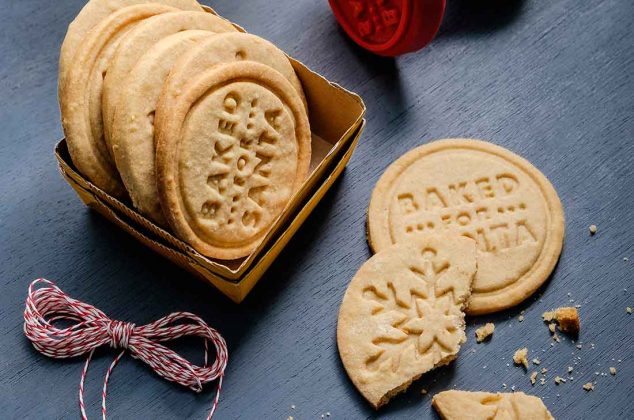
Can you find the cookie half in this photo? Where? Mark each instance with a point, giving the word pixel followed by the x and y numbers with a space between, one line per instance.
pixel 235 149
pixel 138 42
pixel 402 314
pixel 80 96
pixel 464 405
pixel 482 191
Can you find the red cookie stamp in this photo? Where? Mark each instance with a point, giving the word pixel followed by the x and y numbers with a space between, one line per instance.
pixel 389 27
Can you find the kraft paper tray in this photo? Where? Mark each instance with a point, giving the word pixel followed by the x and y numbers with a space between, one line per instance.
pixel 336 119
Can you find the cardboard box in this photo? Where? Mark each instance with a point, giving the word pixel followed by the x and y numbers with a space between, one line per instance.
pixel 336 120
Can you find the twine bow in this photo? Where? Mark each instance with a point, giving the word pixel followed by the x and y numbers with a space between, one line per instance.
pixel 93 329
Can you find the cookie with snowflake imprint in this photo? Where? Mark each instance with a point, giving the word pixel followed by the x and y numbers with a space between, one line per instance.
pixel 402 314
pixel 464 405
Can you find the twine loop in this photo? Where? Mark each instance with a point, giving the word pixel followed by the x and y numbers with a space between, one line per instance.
pixel 91 328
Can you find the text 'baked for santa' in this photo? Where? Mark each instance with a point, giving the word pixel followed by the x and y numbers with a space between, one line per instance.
pixel 229 157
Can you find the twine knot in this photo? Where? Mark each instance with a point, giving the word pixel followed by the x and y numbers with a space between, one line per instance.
pixel 120 333
pixel 92 329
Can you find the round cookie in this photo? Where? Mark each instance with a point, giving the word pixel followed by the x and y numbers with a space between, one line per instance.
pixel 482 191
pixel 132 137
pixel 402 314
pixel 225 48
pixel 92 14
pixel 236 149
pixel 80 96
pixel 138 42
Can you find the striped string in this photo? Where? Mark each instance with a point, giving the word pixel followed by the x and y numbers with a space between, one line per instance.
pixel 46 303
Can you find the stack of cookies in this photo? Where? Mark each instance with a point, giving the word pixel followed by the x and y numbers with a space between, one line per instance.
pixel 202 127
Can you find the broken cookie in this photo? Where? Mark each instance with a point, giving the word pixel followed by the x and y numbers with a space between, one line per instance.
pixel 464 405
pixel 402 314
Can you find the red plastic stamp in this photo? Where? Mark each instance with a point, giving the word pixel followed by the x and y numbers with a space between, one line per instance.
pixel 389 27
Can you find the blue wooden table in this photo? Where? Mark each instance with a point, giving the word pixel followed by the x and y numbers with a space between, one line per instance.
pixel 552 81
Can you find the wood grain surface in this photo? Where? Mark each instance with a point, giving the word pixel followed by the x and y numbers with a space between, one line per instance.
pixel 551 80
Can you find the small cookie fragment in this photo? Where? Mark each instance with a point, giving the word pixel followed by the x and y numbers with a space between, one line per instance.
pixel 628 310
pixel 484 332
pixel 566 317
pixel 559 380
pixel 588 386
pixel 454 405
pixel 533 378
pixel 612 371
pixel 520 357
pixel 592 229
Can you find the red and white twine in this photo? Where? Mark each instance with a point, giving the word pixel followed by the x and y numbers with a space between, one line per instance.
pixel 46 303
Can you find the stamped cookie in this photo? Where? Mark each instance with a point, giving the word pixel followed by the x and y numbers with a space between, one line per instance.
pixel 402 314
pixel 80 98
pixel 138 42
pixel 132 132
pixel 484 192
pixel 92 14
pixel 236 150
pixel 464 405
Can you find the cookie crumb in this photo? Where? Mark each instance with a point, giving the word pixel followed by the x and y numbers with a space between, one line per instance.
pixel 520 318
pixel 484 332
pixel 536 361
pixel 293 407
pixel 588 386
pixel 533 378
pixel 559 380
pixel 566 317
pixel 542 381
pixel 519 358
pixel 579 346
pixel 544 371
pixel 327 413
pixel 628 310
pixel 290 418
pixel 593 229
pixel 548 316
pixel 612 371
pixel 556 338
pixel 570 369
pixel 423 391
